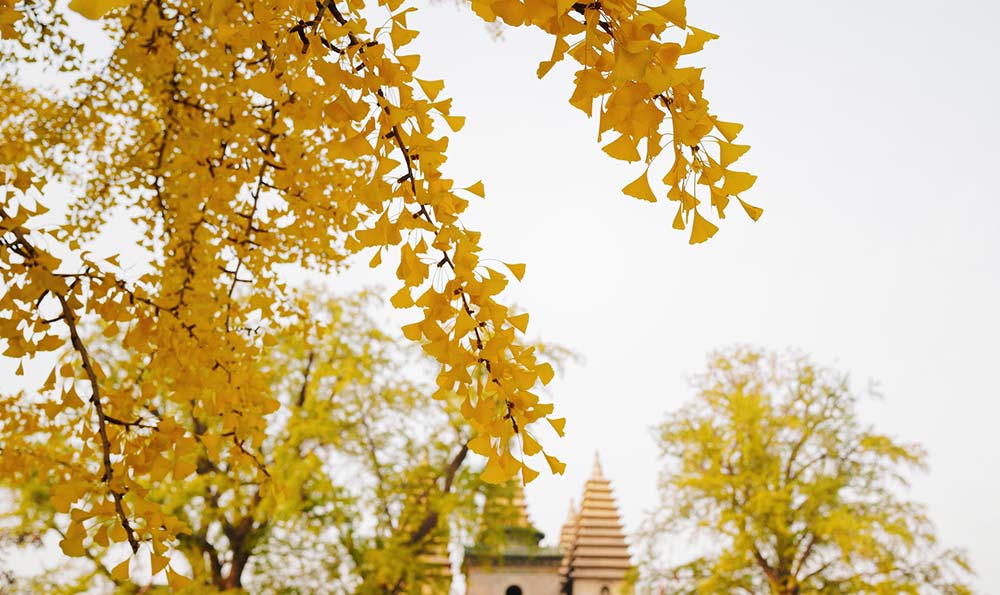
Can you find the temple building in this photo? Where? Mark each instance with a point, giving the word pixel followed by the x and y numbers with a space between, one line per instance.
pixel 592 557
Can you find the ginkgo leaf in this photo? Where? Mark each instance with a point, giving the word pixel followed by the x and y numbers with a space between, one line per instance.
pixel 696 40
pixel 477 189
pixel 529 445
pixel 158 563
pixel 402 298
pixel 455 122
pixel 176 580
pixel 520 322
pixel 674 11
pixel 558 424
pixel 728 129
pixel 678 223
pixel 528 474
pixel 752 211
pixel 555 465
pixel 401 36
pixel 557 54
pixel 431 88
pixel 545 372
pixel 623 148
pixel 72 544
pixel 737 181
pixel 120 571
pixel 183 468
pixel 23 180
pixel 482 444
pixel 701 229
pixel 517 269
pixel 728 153
pixel 493 472
pixel 95 9
pixel 629 66
pixel 463 324
pixel 639 188
pixel 410 63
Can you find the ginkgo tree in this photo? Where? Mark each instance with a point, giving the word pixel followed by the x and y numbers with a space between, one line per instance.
pixel 370 479
pixel 772 472
pixel 242 138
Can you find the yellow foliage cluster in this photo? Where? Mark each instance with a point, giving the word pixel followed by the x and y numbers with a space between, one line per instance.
pixel 241 137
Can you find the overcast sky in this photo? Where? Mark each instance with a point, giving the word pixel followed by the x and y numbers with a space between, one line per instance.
pixel 874 133
pixel 875 138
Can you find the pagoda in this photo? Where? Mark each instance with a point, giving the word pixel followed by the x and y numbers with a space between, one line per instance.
pixel 596 558
pixel 592 557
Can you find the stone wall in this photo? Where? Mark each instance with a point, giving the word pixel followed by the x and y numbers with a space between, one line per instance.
pixel 533 580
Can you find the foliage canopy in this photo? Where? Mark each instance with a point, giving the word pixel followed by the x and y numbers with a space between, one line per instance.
pixel 369 478
pixel 771 464
pixel 238 138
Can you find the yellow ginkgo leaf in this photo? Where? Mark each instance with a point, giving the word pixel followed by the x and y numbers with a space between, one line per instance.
pixel 558 424
pixel 95 9
pixel 557 54
pixel 557 466
pixel 120 571
pixel 478 189
pixel 639 188
pixel 101 536
pixel 754 212
pixel 545 372
pixel 728 153
pixel 493 473
pixel 158 562
pixel 409 62
pixel 412 331
pixel 463 324
pixel 520 322
pixel 176 581
pixel 728 129
pixel 517 269
pixel 702 229
pixel 72 544
pixel 455 122
pixel 679 218
pixel 696 40
pixel 674 11
pixel 482 445
pixel 529 445
pixel 401 36
pixel 431 88
pixel 623 148
pixel 528 474
pixel 183 468
pixel 402 298
pixel 737 181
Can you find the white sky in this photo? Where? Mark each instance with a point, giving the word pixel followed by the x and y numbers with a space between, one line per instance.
pixel 873 134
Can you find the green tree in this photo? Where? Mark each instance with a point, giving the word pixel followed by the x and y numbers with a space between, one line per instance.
pixel 366 474
pixel 771 465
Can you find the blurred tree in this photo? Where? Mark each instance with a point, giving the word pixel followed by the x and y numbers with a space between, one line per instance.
pixel 771 465
pixel 367 475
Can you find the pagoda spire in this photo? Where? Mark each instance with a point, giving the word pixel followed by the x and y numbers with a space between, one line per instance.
pixel 597 472
pixel 520 506
pixel 567 538
pixel 598 551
